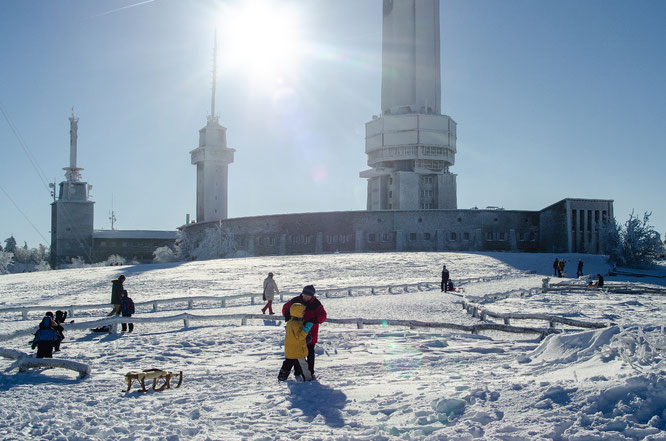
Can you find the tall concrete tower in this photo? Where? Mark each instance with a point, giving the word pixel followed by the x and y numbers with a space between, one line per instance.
pixel 72 213
pixel 411 145
pixel 212 159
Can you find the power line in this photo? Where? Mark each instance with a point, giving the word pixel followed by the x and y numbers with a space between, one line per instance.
pixel 24 215
pixel 24 146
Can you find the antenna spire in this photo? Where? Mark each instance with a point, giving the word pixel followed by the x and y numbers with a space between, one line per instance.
pixel 212 98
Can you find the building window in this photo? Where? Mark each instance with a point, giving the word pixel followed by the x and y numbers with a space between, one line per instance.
pixel 466 236
pixel 501 236
pixel 371 237
pixel 532 236
pixel 390 181
pixel 102 243
pixel 426 236
pixel 521 236
pixel 385 237
pixel 453 236
pixel 124 244
pixel 390 194
pixel 489 235
pixel 412 236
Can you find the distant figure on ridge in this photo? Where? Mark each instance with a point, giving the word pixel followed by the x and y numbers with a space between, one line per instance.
pixel 556 266
pixel 116 291
pixel 445 278
pixel 560 268
pixel 270 289
pixel 579 271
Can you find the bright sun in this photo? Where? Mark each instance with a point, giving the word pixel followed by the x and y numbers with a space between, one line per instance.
pixel 262 39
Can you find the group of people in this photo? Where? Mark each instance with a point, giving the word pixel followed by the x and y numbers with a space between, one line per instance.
pixel 121 301
pixel 50 334
pixel 303 314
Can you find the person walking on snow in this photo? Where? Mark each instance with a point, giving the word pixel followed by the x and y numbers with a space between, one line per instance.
pixel 314 313
pixel 556 266
pixel 579 272
pixel 116 291
pixel 296 338
pixel 126 309
pixel 445 278
pixel 270 289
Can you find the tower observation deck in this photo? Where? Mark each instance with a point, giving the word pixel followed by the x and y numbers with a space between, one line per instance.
pixel 411 145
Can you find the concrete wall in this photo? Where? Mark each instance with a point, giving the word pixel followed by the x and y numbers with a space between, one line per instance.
pixel 376 231
pixel 71 231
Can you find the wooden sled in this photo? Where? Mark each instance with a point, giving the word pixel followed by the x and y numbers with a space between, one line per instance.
pixel 154 374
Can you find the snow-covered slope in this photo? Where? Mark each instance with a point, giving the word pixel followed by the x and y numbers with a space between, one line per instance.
pixel 375 383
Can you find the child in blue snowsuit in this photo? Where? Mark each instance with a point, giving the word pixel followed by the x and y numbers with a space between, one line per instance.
pixel 126 309
pixel 46 338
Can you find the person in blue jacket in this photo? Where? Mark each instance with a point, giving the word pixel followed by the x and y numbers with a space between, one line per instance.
pixel 46 338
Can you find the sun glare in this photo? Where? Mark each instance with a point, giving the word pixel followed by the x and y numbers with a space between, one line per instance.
pixel 261 38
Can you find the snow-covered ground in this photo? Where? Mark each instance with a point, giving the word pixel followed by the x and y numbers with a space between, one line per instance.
pixel 375 383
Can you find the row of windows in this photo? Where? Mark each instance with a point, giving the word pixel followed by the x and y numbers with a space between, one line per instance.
pixel 125 243
pixel 431 164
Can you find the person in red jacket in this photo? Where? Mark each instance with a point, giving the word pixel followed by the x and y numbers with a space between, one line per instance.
pixel 314 313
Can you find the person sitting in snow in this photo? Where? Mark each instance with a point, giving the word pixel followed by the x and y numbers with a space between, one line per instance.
pixel 46 337
pixel 449 285
pixel 126 309
pixel 296 339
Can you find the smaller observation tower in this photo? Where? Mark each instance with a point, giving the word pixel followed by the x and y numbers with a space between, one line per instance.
pixel 212 159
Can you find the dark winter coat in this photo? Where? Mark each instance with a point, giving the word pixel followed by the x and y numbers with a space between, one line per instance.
pixel 116 291
pixel 126 306
pixel 445 275
pixel 314 313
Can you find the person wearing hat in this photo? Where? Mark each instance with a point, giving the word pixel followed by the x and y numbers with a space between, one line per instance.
pixel 116 292
pixel 295 345
pixel 270 289
pixel 314 313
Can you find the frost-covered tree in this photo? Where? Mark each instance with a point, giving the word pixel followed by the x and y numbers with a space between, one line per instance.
pixel 10 244
pixel 164 255
pixel 115 260
pixel 635 244
pixel 6 259
pixel 211 243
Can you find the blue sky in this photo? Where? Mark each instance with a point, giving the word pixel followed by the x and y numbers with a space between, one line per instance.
pixel 552 100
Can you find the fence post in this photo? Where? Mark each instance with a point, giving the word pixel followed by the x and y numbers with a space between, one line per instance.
pixel 390 289
pixel 24 314
pixel 114 328
pixel 406 289
pixel 223 303
pixel 374 293
pixel 70 312
pixel 474 312
pixel 281 299
pixel 186 323
pixel 552 324
pixel 154 306
pixel 189 304
pixel 349 292
pixel 359 325
pixel 244 321
pixel 507 321
pixel 252 301
pixel 483 315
